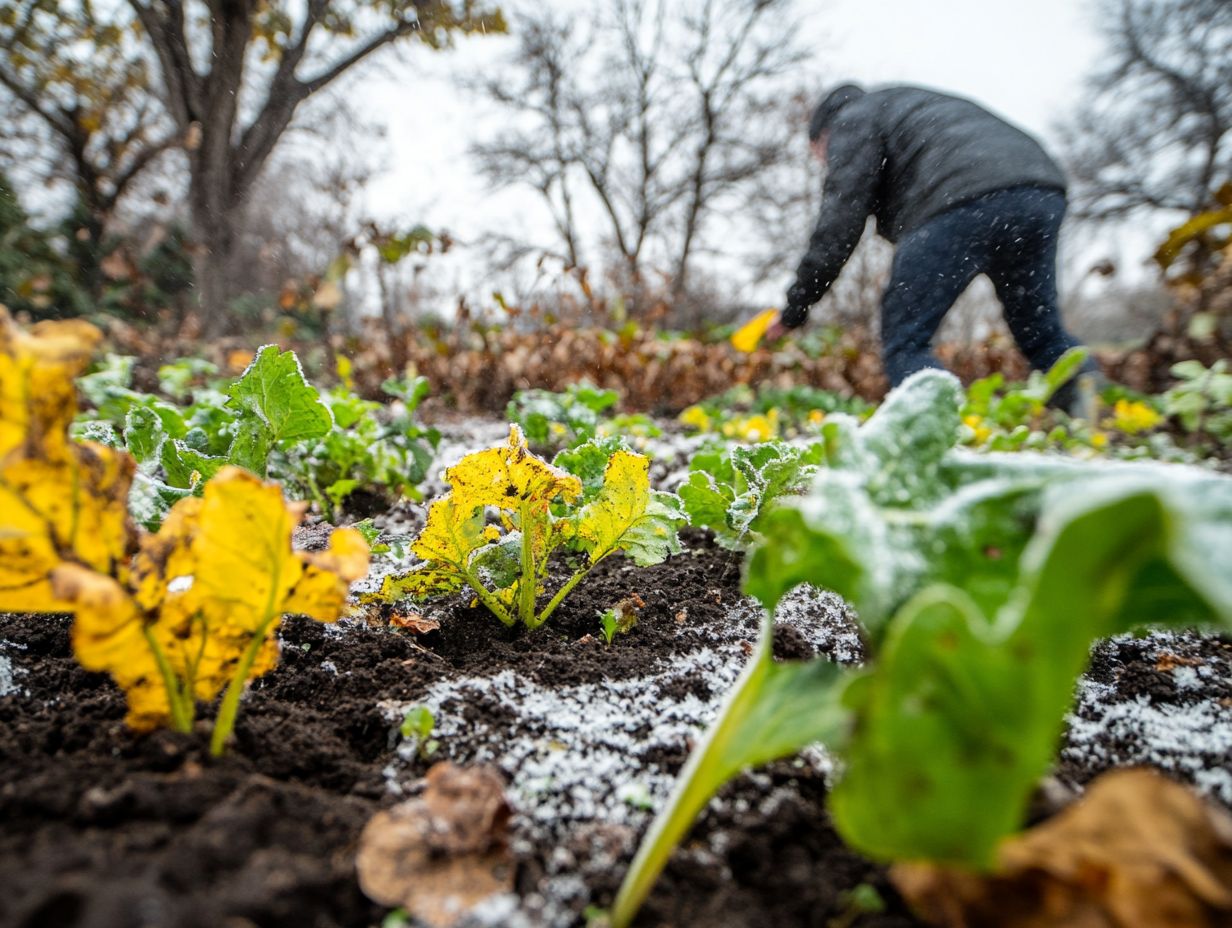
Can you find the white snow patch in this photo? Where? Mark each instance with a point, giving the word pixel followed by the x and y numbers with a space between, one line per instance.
pixel 1192 739
pixel 8 675
pixel 824 620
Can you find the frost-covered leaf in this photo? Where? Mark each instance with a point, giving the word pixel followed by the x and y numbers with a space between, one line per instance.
pixel 186 467
pixel 964 710
pixel 729 492
pixel 143 434
pixel 909 435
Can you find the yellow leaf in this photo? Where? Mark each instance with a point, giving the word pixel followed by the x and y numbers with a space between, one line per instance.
pixel 321 592
pixel 109 634
pixel 60 501
pixel 619 505
pixel 207 589
pixel 37 398
pixel 749 335
pixel 451 533
pixel 508 476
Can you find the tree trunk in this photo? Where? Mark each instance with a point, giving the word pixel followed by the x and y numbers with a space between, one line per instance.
pixel 214 226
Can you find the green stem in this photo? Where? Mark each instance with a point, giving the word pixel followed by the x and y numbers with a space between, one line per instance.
pixel 225 720
pixel 493 604
pixel 224 723
pixel 560 595
pixel 181 707
pixel 703 773
pixel 527 588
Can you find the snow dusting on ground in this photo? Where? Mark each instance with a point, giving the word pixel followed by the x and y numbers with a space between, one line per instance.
pixel 586 763
pixel 1181 725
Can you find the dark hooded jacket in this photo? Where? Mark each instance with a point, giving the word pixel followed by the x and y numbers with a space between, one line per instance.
pixel 903 155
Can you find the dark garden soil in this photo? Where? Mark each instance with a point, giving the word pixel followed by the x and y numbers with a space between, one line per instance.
pixel 104 829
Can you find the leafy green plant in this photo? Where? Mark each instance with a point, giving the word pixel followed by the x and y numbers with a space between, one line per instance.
pixel 769 413
pixel 365 449
pixel 560 420
pixel 1202 400
pixel 1003 416
pixel 729 488
pixel 270 421
pixel 982 581
pixel 417 726
pixel 604 506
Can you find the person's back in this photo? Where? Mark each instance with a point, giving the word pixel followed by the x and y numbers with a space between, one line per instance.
pixel 941 150
pixel 961 192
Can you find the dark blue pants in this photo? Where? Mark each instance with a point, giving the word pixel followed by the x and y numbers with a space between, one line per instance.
pixel 1011 236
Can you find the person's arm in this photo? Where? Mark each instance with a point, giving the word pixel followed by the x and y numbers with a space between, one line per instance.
pixel 854 164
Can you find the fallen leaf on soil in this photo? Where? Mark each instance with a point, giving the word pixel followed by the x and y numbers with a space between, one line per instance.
pixel 1168 662
pixel 441 854
pixel 1137 850
pixel 414 622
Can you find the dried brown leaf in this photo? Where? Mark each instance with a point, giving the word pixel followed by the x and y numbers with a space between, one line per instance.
pixel 441 854
pixel 1137 850
pixel 414 622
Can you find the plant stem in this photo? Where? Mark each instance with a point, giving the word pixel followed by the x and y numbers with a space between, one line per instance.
pixel 181 709
pixel 225 721
pixel 697 783
pixel 526 589
pixel 560 595
pixel 493 604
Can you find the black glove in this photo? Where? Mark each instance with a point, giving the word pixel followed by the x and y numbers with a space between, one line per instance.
pixel 795 309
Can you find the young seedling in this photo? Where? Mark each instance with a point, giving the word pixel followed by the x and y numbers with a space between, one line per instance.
pixel 418 725
pixel 620 618
pixel 540 509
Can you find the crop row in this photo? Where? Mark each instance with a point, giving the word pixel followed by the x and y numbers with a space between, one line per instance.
pixel 981 579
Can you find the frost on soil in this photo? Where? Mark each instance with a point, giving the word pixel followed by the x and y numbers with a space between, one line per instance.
pixel 1169 707
pixel 587 764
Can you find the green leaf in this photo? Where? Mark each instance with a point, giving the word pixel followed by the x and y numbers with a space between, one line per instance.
pixel 627 516
pixel 588 462
pixel 181 463
pixel 273 404
pixel 908 436
pixel 411 391
pixel 963 713
pixel 143 434
pixel 341 489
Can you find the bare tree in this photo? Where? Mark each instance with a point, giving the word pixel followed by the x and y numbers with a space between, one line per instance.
pixel 233 78
pixel 79 97
pixel 1156 131
pixel 650 118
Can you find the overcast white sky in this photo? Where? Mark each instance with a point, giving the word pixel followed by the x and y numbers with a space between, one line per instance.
pixel 1025 60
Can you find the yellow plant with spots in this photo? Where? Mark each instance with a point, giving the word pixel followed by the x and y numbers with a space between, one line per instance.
pixel 177 616
pixel 539 508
